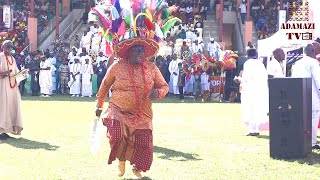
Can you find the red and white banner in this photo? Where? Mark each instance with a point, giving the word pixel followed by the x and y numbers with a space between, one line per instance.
pixel 7 18
pixel 215 84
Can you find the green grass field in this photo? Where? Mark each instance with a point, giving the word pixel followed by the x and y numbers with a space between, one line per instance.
pixel 202 141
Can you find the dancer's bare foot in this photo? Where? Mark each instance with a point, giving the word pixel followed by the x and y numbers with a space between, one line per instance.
pixel 137 173
pixel 121 168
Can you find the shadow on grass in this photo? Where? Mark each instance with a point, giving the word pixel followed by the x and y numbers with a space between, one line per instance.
pixel 263 137
pixel 312 159
pixel 168 99
pixel 29 144
pixel 170 154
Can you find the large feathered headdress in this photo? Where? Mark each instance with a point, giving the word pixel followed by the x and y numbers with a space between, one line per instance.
pixel 125 23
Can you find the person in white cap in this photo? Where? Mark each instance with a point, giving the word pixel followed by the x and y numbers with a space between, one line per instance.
pixel 101 58
pixel 213 47
pixel 196 47
pixel 10 98
pixel 45 77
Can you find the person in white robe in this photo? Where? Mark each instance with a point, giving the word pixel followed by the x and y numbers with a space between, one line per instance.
pixel 174 71
pixel 81 50
pixel 71 57
pixel 205 83
pixel 83 58
pixel 72 53
pixel 86 72
pixel 255 93
pixel 86 40
pixel 212 48
pixel 95 43
pixel 101 58
pixel 196 47
pixel 75 77
pixel 189 34
pixel 275 66
pixel 10 98
pixel 45 76
pixel 103 46
pixel 162 49
pixel 169 49
pixel 308 67
pixel 53 61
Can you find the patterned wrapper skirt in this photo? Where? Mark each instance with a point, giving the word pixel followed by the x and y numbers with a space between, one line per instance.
pixel 131 144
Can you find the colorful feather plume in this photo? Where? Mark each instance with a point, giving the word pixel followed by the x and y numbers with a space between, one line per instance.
pixel 170 23
pixel 126 19
pixel 104 22
pixel 228 60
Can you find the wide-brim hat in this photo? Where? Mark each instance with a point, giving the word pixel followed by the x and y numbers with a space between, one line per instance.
pixel 151 47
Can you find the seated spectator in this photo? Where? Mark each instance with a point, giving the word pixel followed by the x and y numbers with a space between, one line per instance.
pixel 249 46
pixel 203 11
pixel 182 34
pixel 264 31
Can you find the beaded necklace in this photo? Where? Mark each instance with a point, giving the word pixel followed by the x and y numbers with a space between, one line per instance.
pixel 75 68
pixel 86 67
pixel 8 64
pixel 139 106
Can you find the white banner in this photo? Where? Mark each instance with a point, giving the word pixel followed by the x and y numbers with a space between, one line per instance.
pixel 7 19
pixel 282 17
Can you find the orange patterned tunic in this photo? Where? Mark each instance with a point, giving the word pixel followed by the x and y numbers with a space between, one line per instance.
pixel 122 104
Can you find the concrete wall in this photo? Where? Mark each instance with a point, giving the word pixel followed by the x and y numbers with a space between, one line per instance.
pixel 32 35
pixel 229 17
pixel 228 36
pixel 74 14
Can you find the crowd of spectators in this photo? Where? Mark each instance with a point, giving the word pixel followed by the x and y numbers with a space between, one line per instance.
pixel 265 16
pixel 189 9
pixel 44 11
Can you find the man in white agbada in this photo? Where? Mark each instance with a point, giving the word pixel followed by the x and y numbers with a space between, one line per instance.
pixel 45 76
pixel 10 99
pixel 308 67
pixel 255 93
pixel 174 71
pixel 169 49
pixel 212 48
pixel 95 43
pixel 75 76
pixel 101 58
pixel 53 61
pixel 86 40
pixel 189 34
pixel 84 56
pixel 196 47
pixel 86 72
pixel 275 67
pixel 71 57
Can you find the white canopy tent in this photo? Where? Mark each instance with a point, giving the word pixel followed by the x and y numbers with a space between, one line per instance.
pixel 280 38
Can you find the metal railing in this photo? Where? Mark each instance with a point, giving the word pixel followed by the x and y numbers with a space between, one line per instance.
pixel 73 25
pixel 48 29
pixel 27 48
pixel 239 22
pixel 70 28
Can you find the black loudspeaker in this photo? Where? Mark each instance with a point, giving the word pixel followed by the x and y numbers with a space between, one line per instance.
pixel 290 113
